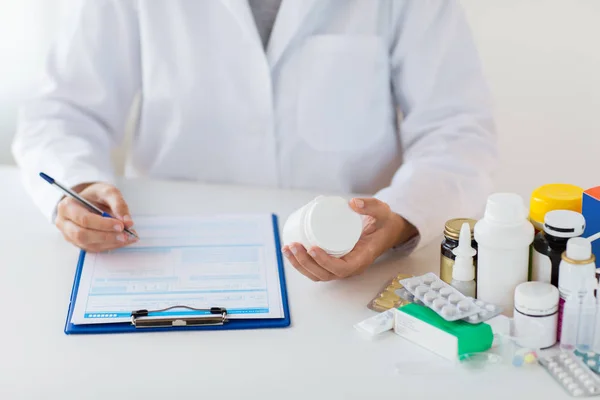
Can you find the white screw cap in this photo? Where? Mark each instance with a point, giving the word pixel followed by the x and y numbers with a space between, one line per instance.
pixel 505 208
pixel 579 249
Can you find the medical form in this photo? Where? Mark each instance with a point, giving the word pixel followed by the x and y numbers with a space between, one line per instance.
pixel 196 261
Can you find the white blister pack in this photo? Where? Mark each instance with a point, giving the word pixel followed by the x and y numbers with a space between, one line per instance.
pixel 572 374
pixel 442 298
pixel 488 311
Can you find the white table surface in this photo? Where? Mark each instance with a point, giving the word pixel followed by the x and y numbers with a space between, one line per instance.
pixel 321 356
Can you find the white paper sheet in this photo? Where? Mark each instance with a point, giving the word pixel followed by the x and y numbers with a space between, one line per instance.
pixel 202 262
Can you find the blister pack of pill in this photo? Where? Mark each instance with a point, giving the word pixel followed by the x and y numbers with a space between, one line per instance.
pixel 388 297
pixel 442 298
pixel 488 311
pixel 590 358
pixel 572 374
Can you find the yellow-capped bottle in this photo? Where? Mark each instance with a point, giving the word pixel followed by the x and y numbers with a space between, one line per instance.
pixel 550 197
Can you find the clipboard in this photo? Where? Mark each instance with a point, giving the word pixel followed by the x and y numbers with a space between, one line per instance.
pixel 233 324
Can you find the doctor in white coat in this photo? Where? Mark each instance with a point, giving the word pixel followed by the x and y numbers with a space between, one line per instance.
pixel 292 94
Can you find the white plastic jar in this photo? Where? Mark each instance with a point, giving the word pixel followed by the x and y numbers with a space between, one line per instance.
pixel 326 222
pixel 536 315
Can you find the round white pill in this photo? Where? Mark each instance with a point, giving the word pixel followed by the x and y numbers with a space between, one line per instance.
pixel 583 377
pixel 490 307
pixel 430 296
pixel 479 303
pixel 428 280
pixel 568 380
pixel 412 284
pixel 439 303
pixel 562 356
pixel 454 298
pixel 464 305
pixel 577 392
pixel 572 366
pixel 483 314
pixel 588 382
pixel 449 311
pixel 552 364
pixel 421 290
pixel 573 386
pixel 593 389
pixel 473 318
pixel 578 372
pixel 591 363
pixel 437 285
pixel 561 375
pixel 445 291
pixel 568 362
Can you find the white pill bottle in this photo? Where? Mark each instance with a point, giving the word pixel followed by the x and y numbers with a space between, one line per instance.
pixel 503 238
pixel 326 222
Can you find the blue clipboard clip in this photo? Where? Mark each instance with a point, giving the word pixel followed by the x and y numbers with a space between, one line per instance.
pixel 145 319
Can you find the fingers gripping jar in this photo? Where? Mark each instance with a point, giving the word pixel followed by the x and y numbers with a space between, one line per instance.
pixel 326 222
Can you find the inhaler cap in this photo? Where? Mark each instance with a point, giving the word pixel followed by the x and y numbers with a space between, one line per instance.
pixel 564 223
pixel 579 249
pixel 505 208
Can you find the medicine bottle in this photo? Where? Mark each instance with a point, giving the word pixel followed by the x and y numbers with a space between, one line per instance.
pixel 326 222
pixel 536 315
pixel 549 245
pixel 578 265
pixel 503 237
pixel 450 242
pixel 554 196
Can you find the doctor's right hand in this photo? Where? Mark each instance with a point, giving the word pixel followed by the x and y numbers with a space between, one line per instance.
pixel 92 232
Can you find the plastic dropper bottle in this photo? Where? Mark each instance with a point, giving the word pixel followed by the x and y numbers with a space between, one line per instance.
pixel 570 321
pixel 587 317
pixel 463 271
pixel 596 347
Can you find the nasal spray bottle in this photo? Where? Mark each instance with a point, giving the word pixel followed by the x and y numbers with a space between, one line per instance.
pixel 587 317
pixel 463 271
pixel 576 269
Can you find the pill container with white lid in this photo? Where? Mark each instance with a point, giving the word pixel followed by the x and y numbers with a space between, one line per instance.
pixel 326 222
pixel 536 314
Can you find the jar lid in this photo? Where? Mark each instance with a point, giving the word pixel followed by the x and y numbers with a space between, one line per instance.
pixel 505 208
pixel 332 225
pixel 536 298
pixel 554 196
pixel 452 228
pixel 564 223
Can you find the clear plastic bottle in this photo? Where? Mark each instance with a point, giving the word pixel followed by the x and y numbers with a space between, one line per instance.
pixel 503 237
pixel 596 347
pixel 587 317
pixel 570 321
pixel 463 271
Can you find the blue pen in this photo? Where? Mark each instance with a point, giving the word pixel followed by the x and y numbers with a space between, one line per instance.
pixel 83 201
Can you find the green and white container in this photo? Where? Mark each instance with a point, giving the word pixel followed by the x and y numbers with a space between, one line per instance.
pixel 449 339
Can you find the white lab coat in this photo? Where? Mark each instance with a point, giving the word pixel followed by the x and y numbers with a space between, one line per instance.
pixel 317 110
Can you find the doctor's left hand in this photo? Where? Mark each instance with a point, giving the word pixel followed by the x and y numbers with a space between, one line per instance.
pixel 382 230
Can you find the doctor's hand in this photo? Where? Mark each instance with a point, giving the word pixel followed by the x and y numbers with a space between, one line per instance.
pixel 92 232
pixel 382 230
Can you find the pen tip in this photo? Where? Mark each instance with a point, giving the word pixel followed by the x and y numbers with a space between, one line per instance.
pixel 46 178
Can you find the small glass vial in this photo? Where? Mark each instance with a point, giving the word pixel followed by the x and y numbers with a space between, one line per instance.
pixel 548 246
pixel 536 315
pixel 450 242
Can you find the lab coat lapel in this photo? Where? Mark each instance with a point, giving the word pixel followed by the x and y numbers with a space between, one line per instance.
pixel 290 18
pixel 243 15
